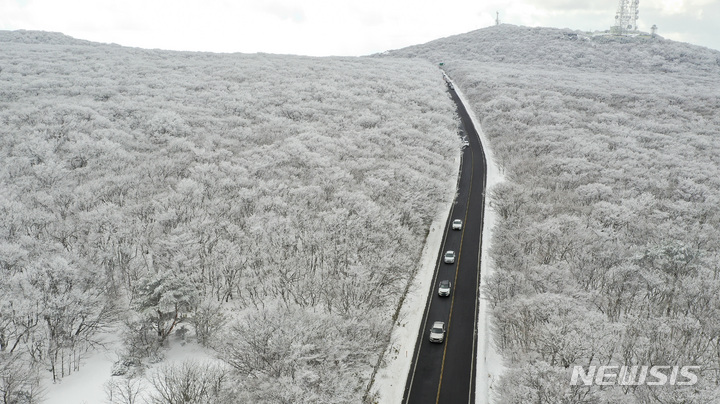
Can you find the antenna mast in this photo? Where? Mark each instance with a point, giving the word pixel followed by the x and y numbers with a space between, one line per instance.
pixel 626 16
pixel 497 18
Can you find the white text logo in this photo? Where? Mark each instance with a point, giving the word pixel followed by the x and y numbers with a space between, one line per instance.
pixel 634 375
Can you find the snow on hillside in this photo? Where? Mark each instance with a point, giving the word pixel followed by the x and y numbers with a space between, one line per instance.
pixel 564 48
pixel 606 244
pixel 242 202
pixel 271 209
pixel 42 37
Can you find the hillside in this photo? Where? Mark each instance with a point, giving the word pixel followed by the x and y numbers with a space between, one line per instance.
pixel 552 47
pixel 270 208
pixel 606 251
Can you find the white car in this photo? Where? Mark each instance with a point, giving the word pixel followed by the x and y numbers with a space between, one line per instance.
pixel 444 288
pixel 437 332
pixel 457 224
pixel 449 257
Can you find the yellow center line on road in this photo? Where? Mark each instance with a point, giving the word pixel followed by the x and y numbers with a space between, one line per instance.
pixel 457 269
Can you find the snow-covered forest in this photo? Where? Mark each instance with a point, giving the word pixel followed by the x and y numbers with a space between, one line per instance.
pixel 607 248
pixel 270 208
pixel 273 209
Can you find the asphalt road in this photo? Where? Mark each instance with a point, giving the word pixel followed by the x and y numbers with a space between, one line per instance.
pixel 445 373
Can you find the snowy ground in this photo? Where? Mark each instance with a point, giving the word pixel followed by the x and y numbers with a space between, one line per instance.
pixel 87 386
pixel 390 380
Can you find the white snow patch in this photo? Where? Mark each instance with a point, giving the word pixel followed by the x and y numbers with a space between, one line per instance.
pixel 87 385
pixel 179 353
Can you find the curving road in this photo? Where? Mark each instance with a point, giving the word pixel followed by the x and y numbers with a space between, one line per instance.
pixel 445 373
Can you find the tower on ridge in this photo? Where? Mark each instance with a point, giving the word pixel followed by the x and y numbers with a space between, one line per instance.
pixel 626 17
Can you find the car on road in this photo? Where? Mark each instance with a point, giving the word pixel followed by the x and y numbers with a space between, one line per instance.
pixel 457 224
pixel 437 332
pixel 444 288
pixel 449 257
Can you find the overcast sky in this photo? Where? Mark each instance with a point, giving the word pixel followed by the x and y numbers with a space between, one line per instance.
pixel 335 27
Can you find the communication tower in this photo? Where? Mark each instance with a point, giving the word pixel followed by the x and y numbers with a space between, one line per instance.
pixel 626 17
